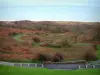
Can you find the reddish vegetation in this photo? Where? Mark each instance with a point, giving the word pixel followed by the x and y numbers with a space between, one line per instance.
pixel 25 38
pixel 11 48
pixel 14 50
pixel 5 31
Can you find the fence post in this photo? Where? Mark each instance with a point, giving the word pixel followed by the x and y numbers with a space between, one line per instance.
pixel 79 67
pixel 12 64
pixel 42 65
pixel 35 65
pixel 86 66
pixel 20 64
pixel 93 66
pixel 28 65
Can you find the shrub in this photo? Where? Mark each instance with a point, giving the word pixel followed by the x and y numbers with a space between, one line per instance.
pixel 13 34
pixel 66 43
pixel 36 39
pixel 57 57
pixel 43 57
pixel 90 56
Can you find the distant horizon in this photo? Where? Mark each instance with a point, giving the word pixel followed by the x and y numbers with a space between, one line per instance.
pixel 48 20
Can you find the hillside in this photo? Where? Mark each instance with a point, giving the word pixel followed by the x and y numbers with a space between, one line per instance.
pixel 25 40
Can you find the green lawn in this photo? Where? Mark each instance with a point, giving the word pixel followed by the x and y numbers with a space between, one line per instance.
pixel 7 70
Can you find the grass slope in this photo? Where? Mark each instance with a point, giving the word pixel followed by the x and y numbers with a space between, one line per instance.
pixel 7 70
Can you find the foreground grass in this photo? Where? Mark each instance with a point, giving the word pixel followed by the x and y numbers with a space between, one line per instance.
pixel 7 70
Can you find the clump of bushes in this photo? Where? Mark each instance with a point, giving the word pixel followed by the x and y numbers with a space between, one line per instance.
pixel 66 43
pixel 13 34
pixel 57 58
pixel 90 56
pixel 45 57
pixel 36 39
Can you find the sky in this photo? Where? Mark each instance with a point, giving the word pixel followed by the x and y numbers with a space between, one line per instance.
pixel 50 10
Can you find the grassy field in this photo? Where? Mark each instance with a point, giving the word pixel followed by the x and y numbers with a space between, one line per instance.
pixel 7 70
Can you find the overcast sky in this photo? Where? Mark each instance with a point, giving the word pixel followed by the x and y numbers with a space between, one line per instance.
pixel 67 10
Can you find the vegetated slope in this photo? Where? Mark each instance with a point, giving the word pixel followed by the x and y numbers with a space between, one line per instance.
pixel 10 49
pixel 52 26
pixel 52 38
pixel 7 70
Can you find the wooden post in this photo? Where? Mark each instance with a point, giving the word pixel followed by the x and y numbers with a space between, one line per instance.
pixel 42 65
pixel 28 65
pixel 86 66
pixel 93 66
pixel 20 64
pixel 35 65
pixel 79 67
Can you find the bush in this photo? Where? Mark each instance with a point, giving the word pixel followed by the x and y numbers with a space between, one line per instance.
pixel 43 57
pixel 66 43
pixel 57 57
pixel 13 34
pixel 36 39
pixel 90 57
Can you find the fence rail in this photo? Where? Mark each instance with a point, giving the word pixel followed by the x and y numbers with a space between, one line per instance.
pixel 52 65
